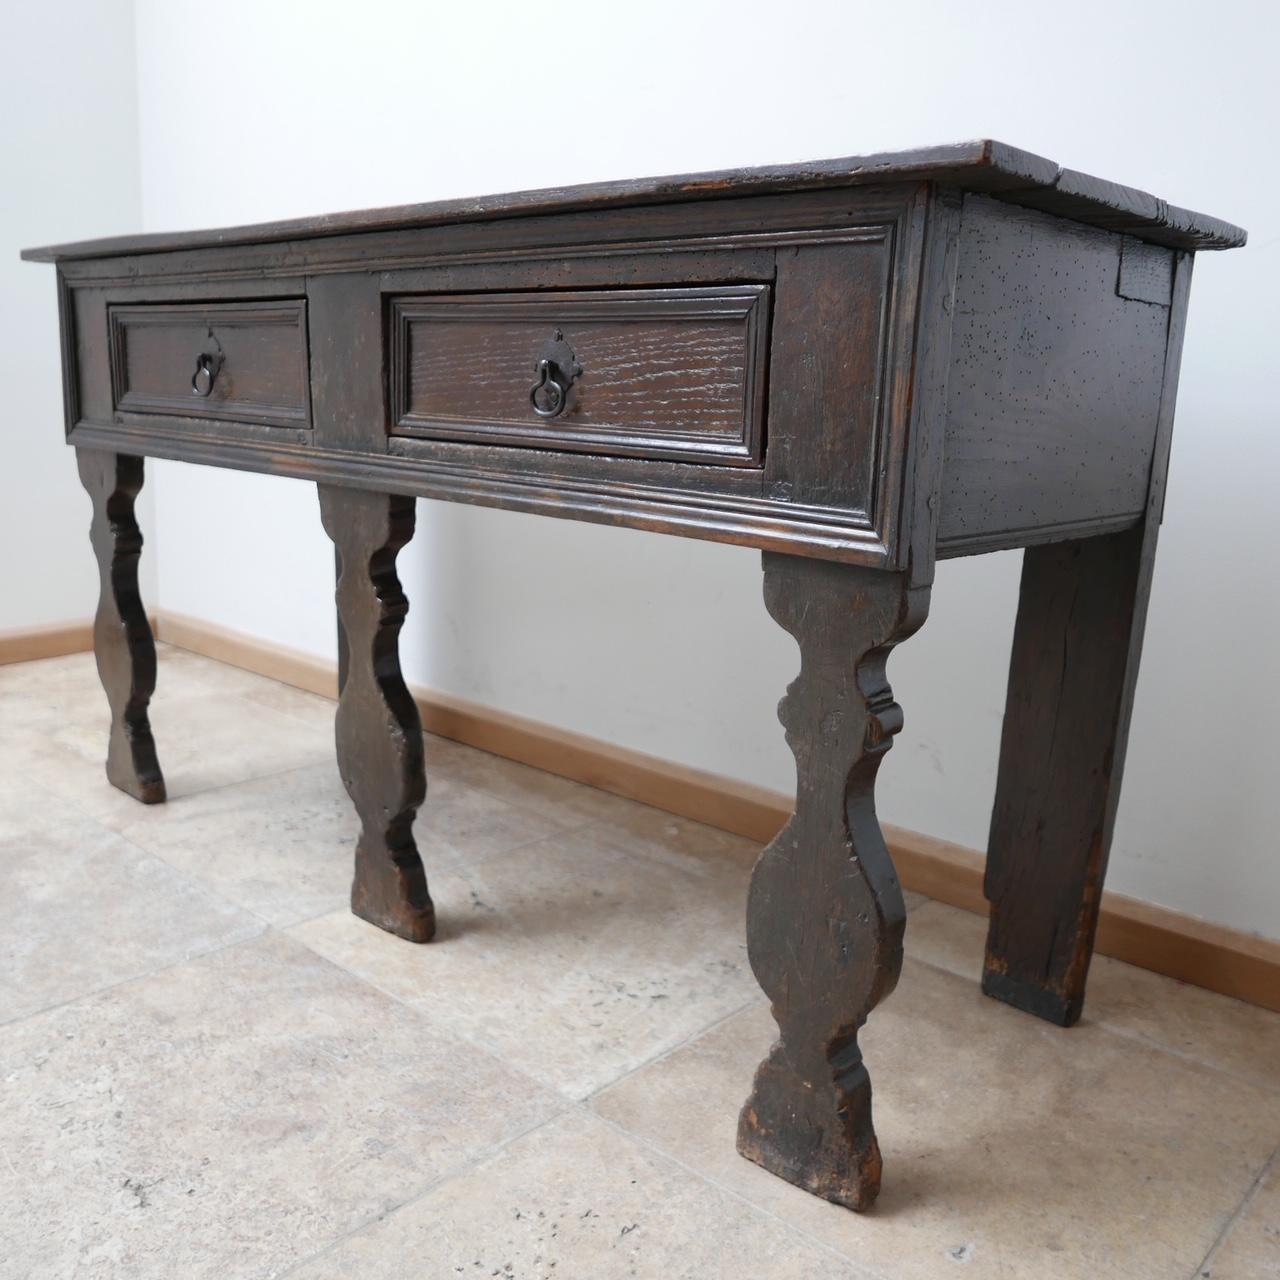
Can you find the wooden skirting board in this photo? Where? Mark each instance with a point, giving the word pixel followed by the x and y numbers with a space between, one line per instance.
pixel 1181 946
pixel 29 643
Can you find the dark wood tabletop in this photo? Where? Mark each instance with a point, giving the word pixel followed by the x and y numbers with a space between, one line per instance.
pixel 1020 177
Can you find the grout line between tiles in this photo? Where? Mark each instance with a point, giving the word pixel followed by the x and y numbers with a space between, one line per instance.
pixel 461 867
pixel 212 890
pixel 311 919
pixel 139 977
pixel 479 1041
pixel 192 795
pixel 465 1037
pixel 563 1106
pixel 790 1227
pixel 196 881
pixel 476 1042
pixel 582 1106
pixel 1182 1055
pixel 490 1154
pixel 1121 1033
pixel 662 1054
pixel 482 1158
pixel 1205 1266
pixel 451 866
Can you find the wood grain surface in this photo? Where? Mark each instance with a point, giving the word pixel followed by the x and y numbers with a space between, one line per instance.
pixel 122 640
pixel 379 735
pixel 984 165
pixel 825 914
pixel 665 373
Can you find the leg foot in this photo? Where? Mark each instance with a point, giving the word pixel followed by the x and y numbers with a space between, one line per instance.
pixel 122 641
pixel 379 736
pixel 825 916
pixel 820 1139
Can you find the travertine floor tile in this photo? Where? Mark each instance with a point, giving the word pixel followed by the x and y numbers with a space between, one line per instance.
pixel 566 803
pixel 640 828
pixel 576 1200
pixel 27 809
pixel 83 908
pixel 1251 1250
pixel 572 960
pixel 229 1117
pixel 204 740
pixel 665 837
pixel 461 825
pixel 283 846
pixel 643 829
pixel 949 938
pixel 47 694
pixel 50 693
pixel 236 1113
pixel 1229 1034
pixel 1016 1148
pixel 182 671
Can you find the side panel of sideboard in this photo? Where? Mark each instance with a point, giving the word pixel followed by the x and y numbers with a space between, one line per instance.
pixel 1058 353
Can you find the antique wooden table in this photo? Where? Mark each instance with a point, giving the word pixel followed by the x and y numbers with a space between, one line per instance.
pixel 857 366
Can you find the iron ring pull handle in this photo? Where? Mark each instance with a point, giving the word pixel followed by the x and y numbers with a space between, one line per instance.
pixel 550 387
pixel 207 367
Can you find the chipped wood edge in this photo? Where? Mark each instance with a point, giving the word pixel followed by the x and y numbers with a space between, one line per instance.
pixel 1216 957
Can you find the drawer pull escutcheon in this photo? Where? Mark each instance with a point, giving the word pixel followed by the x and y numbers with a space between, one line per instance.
pixel 207 367
pixel 557 371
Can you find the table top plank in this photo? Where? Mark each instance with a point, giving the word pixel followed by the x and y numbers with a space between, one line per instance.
pixel 995 168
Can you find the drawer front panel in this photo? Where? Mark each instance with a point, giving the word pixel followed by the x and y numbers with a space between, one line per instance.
pixel 243 361
pixel 673 373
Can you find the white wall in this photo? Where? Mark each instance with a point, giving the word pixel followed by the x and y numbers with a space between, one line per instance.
pixel 69 156
pixel 663 644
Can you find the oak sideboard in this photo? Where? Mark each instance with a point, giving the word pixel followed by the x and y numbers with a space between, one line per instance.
pixel 857 366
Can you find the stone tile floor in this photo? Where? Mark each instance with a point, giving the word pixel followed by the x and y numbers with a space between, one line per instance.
pixel 209 1068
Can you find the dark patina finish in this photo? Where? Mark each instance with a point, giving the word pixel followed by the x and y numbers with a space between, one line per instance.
pixel 856 366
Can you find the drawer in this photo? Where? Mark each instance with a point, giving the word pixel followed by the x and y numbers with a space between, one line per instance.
pixel 669 373
pixel 243 361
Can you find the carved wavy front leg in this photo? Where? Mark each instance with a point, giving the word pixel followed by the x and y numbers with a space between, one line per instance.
pixel 825 916
pixel 379 735
pixel 122 641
